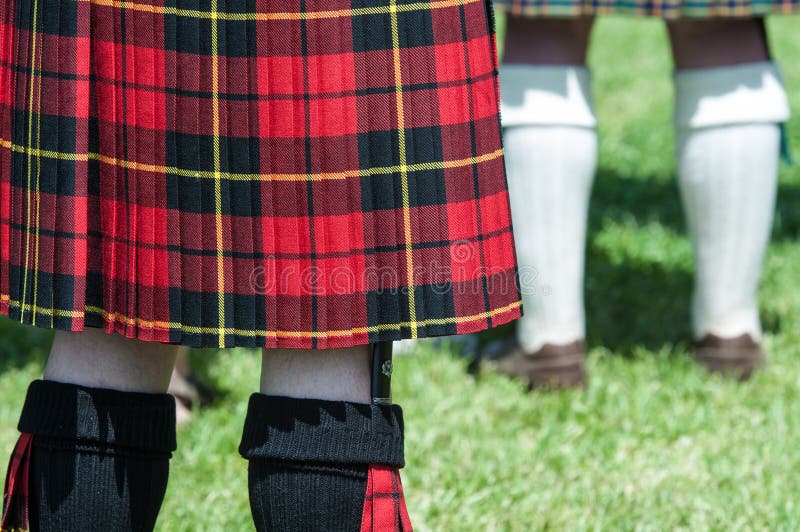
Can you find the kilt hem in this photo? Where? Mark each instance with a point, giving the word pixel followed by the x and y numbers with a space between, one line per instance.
pixel 192 336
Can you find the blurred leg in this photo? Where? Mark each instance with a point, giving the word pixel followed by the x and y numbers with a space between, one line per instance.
pixel 717 43
pixel 181 389
pixel 551 157
pixel 316 445
pixel 98 433
pixel 188 388
pixel 531 41
pixel 729 105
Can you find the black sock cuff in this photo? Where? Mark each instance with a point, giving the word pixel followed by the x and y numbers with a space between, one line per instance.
pixel 311 430
pixel 109 417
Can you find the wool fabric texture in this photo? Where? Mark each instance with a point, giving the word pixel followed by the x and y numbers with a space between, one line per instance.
pixel 265 173
pixel 89 459
pixel 324 465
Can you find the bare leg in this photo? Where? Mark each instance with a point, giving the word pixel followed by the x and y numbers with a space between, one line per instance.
pixel 335 375
pixel 547 41
pixel 100 360
pixel 182 361
pixel 180 387
pixel 712 43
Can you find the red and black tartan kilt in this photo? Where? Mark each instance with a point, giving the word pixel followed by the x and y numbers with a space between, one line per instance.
pixel 279 173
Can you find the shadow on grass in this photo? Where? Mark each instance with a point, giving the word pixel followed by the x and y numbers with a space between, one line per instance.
pixel 649 199
pixel 656 200
pixel 787 214
pixel 635 303
pixel 22 344
pixel 646 304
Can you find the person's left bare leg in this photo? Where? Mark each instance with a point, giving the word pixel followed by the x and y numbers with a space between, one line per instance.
pixel 318 448
pixel 332 375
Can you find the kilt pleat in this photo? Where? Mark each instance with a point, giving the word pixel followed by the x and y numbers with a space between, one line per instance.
pixel 667 9
pixel 279 173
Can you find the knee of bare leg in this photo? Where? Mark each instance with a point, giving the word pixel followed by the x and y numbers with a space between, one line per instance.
pixel 547 41
pixel 330 374
pixel 712 43
pixel 97 359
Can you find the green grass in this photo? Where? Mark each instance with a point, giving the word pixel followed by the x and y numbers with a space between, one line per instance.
pixel 652 444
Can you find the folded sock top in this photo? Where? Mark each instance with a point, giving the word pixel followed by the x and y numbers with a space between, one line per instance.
pixel 750 93
pixel 546 95
pixel 304 430
pixel 80 413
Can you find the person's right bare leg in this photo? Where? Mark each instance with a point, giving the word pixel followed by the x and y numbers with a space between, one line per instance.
pixel 551 156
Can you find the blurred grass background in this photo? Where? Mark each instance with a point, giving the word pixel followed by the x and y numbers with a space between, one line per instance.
pixel 653 443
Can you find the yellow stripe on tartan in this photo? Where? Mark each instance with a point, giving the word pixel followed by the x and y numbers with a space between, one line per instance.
pixel 401 137
pixel 313 15
pixel 167 325
pixel 230 176
pixel 217 172
pixel 31 111
pixel 37 195
pixel 52 312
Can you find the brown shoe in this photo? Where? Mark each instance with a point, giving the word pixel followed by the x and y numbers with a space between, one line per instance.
pixel 738 357
pixel 552 366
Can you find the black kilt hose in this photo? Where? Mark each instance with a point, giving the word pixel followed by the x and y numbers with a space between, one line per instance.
pixel 264 173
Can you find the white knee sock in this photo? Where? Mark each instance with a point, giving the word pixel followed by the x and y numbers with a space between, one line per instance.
pixel 728 150
pixel 551 155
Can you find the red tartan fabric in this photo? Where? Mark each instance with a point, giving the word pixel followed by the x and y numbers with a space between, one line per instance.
pixel 279 173
pixel 384 506
pixel 16 493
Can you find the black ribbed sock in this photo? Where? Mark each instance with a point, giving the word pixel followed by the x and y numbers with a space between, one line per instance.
pixel 99 458
pixel 309 460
